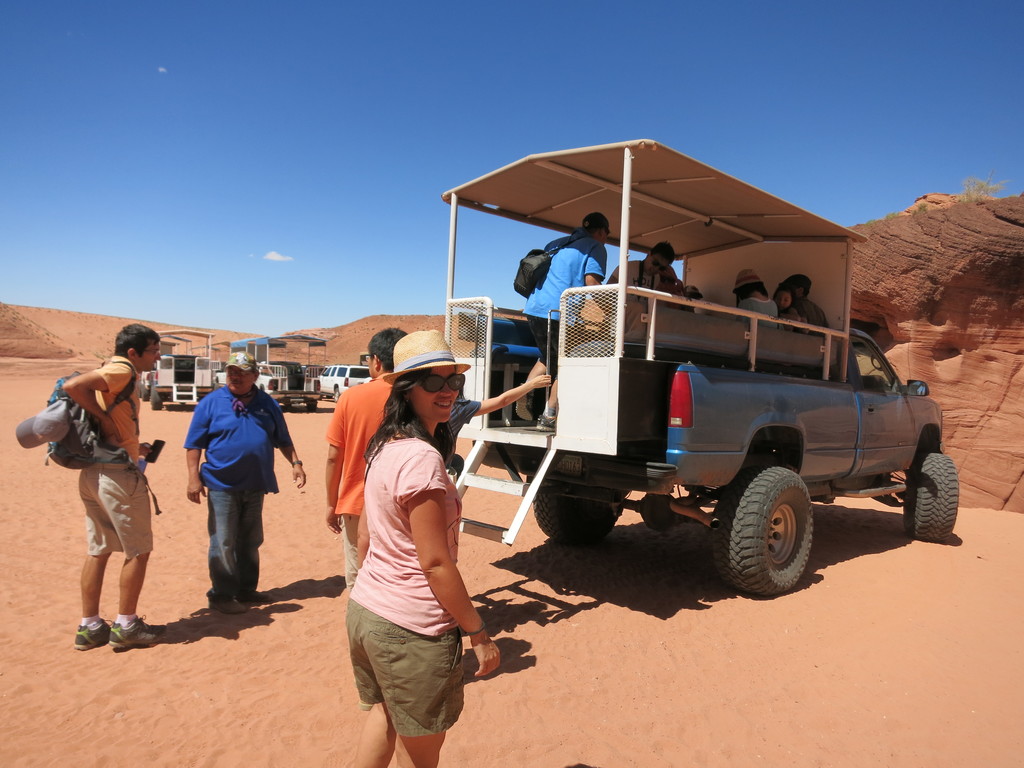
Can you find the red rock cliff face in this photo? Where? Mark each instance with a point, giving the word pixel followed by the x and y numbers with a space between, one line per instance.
pixel 943 291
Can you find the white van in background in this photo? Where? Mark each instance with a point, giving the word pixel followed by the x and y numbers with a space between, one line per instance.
pixel 337 378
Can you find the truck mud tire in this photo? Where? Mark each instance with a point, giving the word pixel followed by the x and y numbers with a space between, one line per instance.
pixel 311 406
pixel 764 538
pixel 571 520
pixel 154 399
pixel 932 498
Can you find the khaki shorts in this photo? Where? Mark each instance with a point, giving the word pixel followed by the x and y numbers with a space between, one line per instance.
pixel 417 677
pixel 117 511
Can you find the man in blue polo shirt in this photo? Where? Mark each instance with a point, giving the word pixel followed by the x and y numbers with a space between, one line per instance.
pixel 238 426
pixel 581 260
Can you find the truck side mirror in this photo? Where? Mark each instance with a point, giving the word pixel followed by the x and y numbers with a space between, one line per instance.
pixel 917 387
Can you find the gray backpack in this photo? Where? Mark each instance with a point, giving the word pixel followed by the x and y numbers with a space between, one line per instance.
pixel 83 445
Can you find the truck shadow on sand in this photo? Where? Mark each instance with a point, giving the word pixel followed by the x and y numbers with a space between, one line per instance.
pixel 663 574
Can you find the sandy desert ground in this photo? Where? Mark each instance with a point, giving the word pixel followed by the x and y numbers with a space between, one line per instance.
pixel 631 653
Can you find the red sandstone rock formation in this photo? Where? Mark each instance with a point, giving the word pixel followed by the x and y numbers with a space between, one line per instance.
pixel 931 202
pixel 944 292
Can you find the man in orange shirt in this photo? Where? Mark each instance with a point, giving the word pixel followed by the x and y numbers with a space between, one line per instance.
pixel 357 416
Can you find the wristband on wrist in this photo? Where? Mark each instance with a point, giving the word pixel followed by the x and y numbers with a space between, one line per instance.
pixel 483 626
pixel 297 463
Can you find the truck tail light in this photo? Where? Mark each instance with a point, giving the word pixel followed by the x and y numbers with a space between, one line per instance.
pixel 346 382
pixel 680 404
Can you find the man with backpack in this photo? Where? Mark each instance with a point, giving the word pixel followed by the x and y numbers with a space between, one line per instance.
pixel 117 510
pixel 579 259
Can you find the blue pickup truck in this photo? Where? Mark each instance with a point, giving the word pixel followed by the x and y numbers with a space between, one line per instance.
pixel 691 409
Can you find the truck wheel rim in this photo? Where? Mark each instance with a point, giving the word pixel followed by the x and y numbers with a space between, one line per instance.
pixel 781 536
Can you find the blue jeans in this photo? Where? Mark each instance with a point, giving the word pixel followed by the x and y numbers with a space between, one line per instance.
pixel 235 524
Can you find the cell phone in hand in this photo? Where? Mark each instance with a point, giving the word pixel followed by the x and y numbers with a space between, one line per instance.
pixel 154 451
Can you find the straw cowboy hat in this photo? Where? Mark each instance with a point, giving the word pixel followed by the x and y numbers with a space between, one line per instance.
pixel 422 350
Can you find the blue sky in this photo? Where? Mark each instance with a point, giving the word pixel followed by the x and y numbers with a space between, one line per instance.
pixel 269 166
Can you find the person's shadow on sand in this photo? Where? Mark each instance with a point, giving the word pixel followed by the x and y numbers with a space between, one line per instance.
pixel 662 574
pixel 205 622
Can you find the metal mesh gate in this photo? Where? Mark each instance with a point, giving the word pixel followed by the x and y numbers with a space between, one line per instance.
pixel 588 322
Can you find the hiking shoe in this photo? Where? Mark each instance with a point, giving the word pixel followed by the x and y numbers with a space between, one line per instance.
pixel 523 409
pixel 546 424
pixel 227 605
pixel 86 639
pixel 255 597
pixel 138 634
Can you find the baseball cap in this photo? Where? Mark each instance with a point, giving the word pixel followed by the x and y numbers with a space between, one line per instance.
pixel 48 426
pixel 596 220
pixel 240 360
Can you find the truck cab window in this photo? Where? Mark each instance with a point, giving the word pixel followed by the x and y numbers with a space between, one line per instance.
pixel 875 371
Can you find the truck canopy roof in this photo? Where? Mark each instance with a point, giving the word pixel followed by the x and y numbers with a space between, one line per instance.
pixel 673 197
pixel 193 342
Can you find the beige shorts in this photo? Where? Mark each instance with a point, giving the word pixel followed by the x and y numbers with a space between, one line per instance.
pixel 417 677
pixel 117 512
pixel 350 539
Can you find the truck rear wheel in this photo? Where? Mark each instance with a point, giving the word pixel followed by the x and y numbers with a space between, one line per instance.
pixel 311 406
pixel 764 540
pixel 572 520
pixel 932 498
pixel 154 399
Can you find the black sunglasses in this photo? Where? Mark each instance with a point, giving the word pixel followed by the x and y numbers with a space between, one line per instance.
pixel 434 382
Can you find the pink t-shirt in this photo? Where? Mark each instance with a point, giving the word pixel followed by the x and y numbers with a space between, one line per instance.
pixel 391 583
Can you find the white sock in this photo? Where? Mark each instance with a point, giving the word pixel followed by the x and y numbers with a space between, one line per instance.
pixel 549 412
pixel 92 622
pixel 124 620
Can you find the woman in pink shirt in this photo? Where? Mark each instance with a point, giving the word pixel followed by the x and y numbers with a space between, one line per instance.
pixel 410 604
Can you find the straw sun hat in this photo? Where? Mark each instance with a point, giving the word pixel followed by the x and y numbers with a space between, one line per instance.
pixel 421 350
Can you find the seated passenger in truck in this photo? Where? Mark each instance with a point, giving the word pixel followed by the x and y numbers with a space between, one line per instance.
pixel 801 287
pixel 783 299
pixel 752 295
pixel 655 272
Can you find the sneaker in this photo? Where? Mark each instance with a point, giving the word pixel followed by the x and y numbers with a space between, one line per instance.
pixel 255 597
pixel 86 639
pixel 546 424
pixel 523 409
pixel 227 605
pixel 138 634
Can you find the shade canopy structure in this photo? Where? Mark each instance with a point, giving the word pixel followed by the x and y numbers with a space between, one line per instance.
pixel 670 197
pixel 276 342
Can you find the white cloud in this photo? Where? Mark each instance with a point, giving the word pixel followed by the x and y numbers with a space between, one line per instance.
pixel 275 256
pixel 162 70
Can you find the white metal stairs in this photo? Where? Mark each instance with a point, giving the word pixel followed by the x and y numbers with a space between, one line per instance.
pixel 183 393
pixel 514 486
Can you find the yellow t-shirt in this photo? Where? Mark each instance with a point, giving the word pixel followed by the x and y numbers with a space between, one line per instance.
pixel 118 374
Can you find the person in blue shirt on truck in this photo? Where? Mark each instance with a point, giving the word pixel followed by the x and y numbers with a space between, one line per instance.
pixel 580 259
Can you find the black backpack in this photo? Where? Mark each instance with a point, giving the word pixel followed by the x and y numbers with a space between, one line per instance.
pixel 533 268
pixel 83 445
